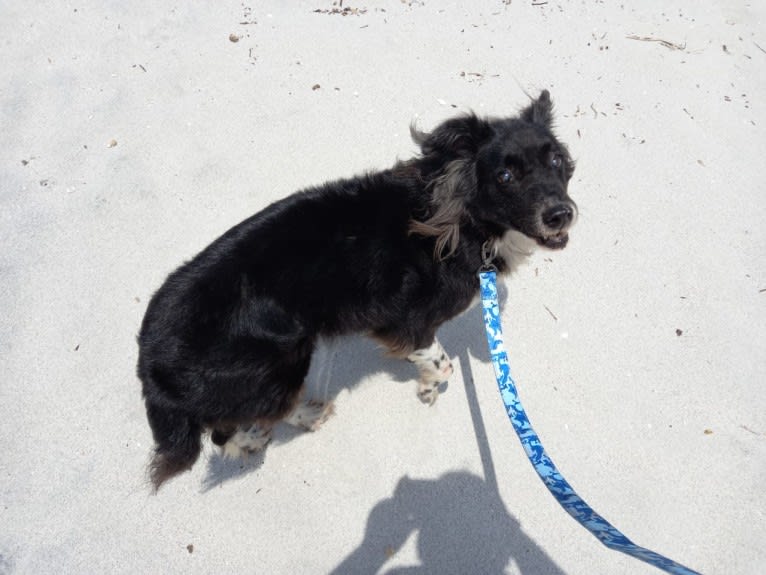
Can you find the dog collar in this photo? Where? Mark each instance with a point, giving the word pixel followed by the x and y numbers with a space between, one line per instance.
pixel 488 254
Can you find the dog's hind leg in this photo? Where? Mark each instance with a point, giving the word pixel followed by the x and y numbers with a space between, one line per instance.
pixel 238 442
pixel 245 440
pixel 435 368
pixel 310 415
pixel 273 396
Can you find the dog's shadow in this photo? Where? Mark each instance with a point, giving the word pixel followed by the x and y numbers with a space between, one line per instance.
pixel 345 362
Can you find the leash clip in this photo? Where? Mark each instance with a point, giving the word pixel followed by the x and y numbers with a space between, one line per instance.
pixel 488 254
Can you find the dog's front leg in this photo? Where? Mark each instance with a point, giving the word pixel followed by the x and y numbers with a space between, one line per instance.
pixel 435 368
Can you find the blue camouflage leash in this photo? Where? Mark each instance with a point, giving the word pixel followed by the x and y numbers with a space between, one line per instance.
pixel 545 468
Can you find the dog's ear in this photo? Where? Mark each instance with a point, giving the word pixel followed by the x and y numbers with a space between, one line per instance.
pixel 540 111
pixel 461 136
pixel 449 194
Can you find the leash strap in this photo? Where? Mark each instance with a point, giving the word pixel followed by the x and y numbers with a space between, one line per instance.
pixel 554 481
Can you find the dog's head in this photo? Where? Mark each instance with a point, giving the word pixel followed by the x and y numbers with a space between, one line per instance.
pixel 501 174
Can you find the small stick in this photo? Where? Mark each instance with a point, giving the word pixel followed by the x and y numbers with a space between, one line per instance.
pixel 550 312
pixel 670 45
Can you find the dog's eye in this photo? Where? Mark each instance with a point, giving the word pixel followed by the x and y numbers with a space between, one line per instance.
pixel 556 161
pixel 504 176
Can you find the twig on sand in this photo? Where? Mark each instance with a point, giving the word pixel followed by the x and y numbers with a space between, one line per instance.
pixel 550 312
pixel 666 43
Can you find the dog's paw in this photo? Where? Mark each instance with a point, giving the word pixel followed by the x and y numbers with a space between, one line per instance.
pixel 432 362
pixel 428 391
pixel 435 369
pixel 246 441
pixel 444 367
pixel 310 415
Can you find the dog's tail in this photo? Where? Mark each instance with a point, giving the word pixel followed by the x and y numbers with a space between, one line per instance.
pixel 178 443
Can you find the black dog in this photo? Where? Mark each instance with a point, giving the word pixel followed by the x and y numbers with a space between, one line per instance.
pixel 227 340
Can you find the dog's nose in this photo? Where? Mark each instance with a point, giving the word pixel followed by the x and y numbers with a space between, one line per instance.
pixel 558 217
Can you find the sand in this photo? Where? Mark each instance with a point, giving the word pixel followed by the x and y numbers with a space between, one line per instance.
pixel 134 133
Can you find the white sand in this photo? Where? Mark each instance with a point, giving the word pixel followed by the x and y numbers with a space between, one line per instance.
pixel 131 135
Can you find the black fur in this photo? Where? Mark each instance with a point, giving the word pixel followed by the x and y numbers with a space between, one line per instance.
pixel 228 338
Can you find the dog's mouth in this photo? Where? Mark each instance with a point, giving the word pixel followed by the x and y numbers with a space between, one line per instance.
pixel 554 242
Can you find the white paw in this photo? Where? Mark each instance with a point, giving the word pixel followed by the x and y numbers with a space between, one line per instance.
pixel 246 441
pixel 444 367
pixel 435 368
pixel 310 415
pixel 428 391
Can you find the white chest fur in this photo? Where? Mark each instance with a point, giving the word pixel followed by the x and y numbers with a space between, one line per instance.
pixel 515 249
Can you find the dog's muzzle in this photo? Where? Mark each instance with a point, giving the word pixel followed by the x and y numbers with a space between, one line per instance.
pixel 556 221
